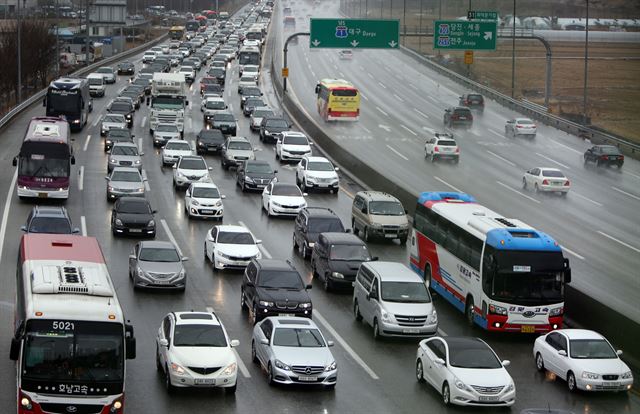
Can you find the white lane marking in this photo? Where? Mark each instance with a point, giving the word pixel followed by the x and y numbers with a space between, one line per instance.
pixel 494 132
pixel 572 252
pixel 361 68
pixel 144 121
pixel 193 145
pixel 442 333
pixel 382 84
pixel 454 188
pixel 518 192
pixel 385 127
pixel 381 111
pixel 432 98
pixel 565 146
pixel 408 130
pixel 83 225
pixel 586 198
pixel 147 188
pixel 86 143
pixel 241 365
pixel 364 97
pixel 553 161
pixel 476 133
pixel 168 231
pixel 140 145
pixel 421 113
pixel 344 344
pixel 313 74
pixel 341 74
pixel 501 158
pixel 81 178
pixel 625 193
pixel 412 86
pixel 398 97
pixel 397 153
pixel 98 119
pixel 370 75
pixel 619 241
pixel 632 174
pixel 261 247
pixel 335 67
pixel 231 107
pixel 5 213
pixel 366 129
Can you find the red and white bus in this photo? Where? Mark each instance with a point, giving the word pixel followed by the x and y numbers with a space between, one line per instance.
pixel 71 340
pixel 45 159
pixel 502 273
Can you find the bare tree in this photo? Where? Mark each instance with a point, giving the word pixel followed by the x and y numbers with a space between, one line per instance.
pixel 38 50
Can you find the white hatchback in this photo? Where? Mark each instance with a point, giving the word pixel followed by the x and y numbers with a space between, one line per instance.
pixel 204 200
pixel 547 180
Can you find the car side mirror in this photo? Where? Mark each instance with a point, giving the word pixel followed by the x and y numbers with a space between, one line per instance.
pixel 506 363
pixel 187 193
pixel 132 256
pixel 185 259
pixel 75 230
pixel 336 169
pixel 375 258
pixel 347 231
pixel 210 168
pixel 619 352
pixel 175 166
pixel 234 343
pixel 330 343
pixel 439 361
pixel 310 143
pixel 317 88
pixel 309 286
pixel 275 171
pixel 258 241
pixel 364 209
pixel 141 154
pixel 164 342
pixel 23 228
pixel 264 341
pixel 130 342
pixel 154 211
pixel 562 352
pixel 223 196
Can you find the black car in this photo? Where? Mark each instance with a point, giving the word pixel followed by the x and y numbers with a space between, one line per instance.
pixel 209 140
pixel 126 68
pixel 473 101
pixel 117 135
pixel 220 75
pixel 133 216
pixel 271 127
pixel 52 220
pixel 125 108
pixel 134 95
pixel 225 122
pixel 458 116
pixel 604 155
pixel 163 63
pixel 336 258
pixel 144 83
pixel 310 222
pixel 251 103
pixel 212 88
pixel 254 175
pixel 247 92
pixel 272 287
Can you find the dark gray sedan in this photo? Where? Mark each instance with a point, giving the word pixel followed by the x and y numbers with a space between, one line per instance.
pixel 157 264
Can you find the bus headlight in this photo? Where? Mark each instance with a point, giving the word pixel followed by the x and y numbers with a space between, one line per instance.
pixel 116 406
pixel 556 311
pixel 26 403
pixel 497 310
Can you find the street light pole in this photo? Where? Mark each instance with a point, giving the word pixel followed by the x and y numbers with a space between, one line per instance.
pixel 57 40
pixel 513 55
pixel 586 67
pixel 19 53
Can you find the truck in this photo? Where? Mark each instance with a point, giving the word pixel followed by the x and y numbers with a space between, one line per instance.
pixel 168 100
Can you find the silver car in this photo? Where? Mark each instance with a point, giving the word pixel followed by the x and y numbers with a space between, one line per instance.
pixel 124 154
pixel 108 73
pixel 163 133
pixel 125 181
pixel 157 264
pixel 293 351
pixel 110 121
pixel 236 150
pixel 255 119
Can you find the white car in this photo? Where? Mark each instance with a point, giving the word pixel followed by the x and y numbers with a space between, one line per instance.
pixel 194 350
pixel 230 247
pixel 190 169
pixel 204 200
pixel 108 73
pixel 317 173
pixel 247 80
pixel 282 199
pixel 583 358
pixel 520 126
pixel 165 49
pixel 165 132
pixel 211 106
pixel 249 70
pixel 465 371
pixel 251 42
pixel 110 121
pixel 346 54
pixel 149 56
pixel 256 116
pixel 189 73
pixel 292 146
pixel 547 180
pixel 442 146
pixel 173 150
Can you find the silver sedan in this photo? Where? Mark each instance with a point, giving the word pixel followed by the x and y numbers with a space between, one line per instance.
pixel 125 181
pixel 157 264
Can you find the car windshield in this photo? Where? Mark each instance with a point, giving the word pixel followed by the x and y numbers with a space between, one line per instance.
pixel 193 164
pixel 250 68
pixel 349 252
pixel 239 145
pixel 55 225
pixel 178 146
pixel 324 225
pixel 280 279
pixel 224 117
pixel 158 254
pixel 235 237
pixel 167 128
pixel 199 335
pixel 126 176
pixel 447 143
pixel 258 168
pixel 276 123
pixel 134 207
pixel 254 102
pixel 386 208
pixel 298 337
pixel 105 70
pixel 295 140
pixel 113 118
pixel 405 292
pixel 124 150
pixel 120 107
pixel 477 356
pixel 475 98
pixel 217 72
pixel 248 91
pixel 286 190
pixel 205 192
pixel 119 133
pixel 319 166
pixel 261 113
pixel 215 105
pixel 552 173
pixel 591 349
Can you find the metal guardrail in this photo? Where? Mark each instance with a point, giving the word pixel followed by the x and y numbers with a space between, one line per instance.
pixel 82 71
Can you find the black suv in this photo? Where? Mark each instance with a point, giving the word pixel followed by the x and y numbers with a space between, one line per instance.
pixel 271 127
pixel 310 222
pixel 209 140
pixel 224 121
pixel 52 220
pixel 336 259
pixel 458 116
pixel 117 135
pixel 472 101
pixel 272 287
pixel 254 175
pixel 133 216
pixel 604 155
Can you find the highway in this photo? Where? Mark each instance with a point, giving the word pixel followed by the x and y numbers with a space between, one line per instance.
pixel 374 376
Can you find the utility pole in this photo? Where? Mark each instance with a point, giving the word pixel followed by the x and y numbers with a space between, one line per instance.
pixel 57 40
pixel 87 42
pixel 586 67
pixel 19 53
pixel 513 55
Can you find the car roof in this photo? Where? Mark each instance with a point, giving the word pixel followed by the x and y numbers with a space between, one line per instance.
pixel 124 144
pixel 549 169
pixel 292 322
pixel 335 237
pixel 393 272
pixel 203 185
pixel 125 169
pixel 178 140
pixel 197 318
pixel 191 157
pixel 232 228
pixel 274 264
pixel 580 334
pixel 243 139
pixel 465 342
pixel 49 211
pixel 293 134
pixel 377 196
pixel 159 244
pixel 319 212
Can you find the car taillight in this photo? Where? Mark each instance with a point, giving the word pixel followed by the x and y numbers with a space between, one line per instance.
pixel 545 182
pixel 605 157
pixel 457 150
pixel 621 157
pixel 454 116
pixel 436 149
pixel 519 126
pixel 567 183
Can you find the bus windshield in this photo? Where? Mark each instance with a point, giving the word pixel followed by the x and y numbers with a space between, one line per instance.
pixel 36 165
pixel 63 103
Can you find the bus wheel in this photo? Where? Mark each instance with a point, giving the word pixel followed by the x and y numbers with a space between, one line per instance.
pixel 468 310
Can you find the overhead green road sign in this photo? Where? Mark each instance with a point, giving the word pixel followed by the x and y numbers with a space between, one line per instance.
pixel 354 33
pixel 462 35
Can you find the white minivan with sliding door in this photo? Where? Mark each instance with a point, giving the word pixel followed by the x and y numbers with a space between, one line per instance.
pixel 394 300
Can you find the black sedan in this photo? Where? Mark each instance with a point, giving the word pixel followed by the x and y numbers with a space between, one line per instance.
pixel 254 175
pixel 144 83
pixel 126 68
pixel 125 108
pixel 209 140
pixel 117 135
pixel 225 122
pixel 604 155
pixel 218 73
pixel 133 216
pixel 252 103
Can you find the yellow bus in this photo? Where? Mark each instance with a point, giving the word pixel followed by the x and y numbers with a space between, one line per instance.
pixel 338 100
pixel 176 32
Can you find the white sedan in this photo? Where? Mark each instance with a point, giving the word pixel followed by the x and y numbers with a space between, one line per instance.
pixel 547 180
pixel 520 126
pixel 345 54
pixel 583 358
pixel 465 371
pixel 281 199
pixel 204 200
pixel 173 150
pixel 230 247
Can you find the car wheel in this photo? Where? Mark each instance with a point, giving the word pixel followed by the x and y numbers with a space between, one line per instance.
pixel 213 262
pixel 376 329
pixel 468 311
pixel 269 210
pixel 403 241
pixel 254 356
pixel 243 301
pixel 446 394
pixel 277 156
pixel 524 183
pixel 356 311
pixel 539 362
pixel 571 382
pixel 243 186
pixel 314 271
pixel 303 186
pixel 167 381
pixel 270 380
pixel 353 227
pixel 295 244
pixel 419 371
pixel 254 314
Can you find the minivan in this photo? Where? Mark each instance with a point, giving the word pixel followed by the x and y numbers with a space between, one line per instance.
pixel 379 215
pixel 394 300
pixel 96 84
pixel 336 258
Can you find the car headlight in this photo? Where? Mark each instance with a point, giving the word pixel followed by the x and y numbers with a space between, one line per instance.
pixel 497 310
pixel 109 188
pixel 113 160
pixel 337 275
pixel 311 179
pixel 218 204
pixel 590 375
pixel 305 305
pixel 511 387
pixel 224 256
pixel 177 369
pixel 230 369
pixel 266 303
pixel 137 162
pixel 386 316
pixel 276 204
pixel 180 174
pixel 118 222
pixel 461 385
pixel 201 144
pixel 151 223
pixel 140 190
pixel 331 366
pixel 195 202
pixel 266 132
pixel 248 179
pixel 128 116
pixel 76 121
pixel 281 365
pixel 626 375
pixel 108 142
pixel 556 311
pixel 434 316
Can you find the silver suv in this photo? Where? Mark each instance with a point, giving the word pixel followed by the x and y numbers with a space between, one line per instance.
pixel 236 150
pixel 380 215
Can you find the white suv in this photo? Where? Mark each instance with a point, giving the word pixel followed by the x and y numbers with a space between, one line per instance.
pixel 317 173
pixel 292 145
pixel 194 350
pixel 442 146
pixel 190 169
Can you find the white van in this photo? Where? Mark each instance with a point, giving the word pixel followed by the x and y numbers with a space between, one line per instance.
pixel 394 300
pixel 97 86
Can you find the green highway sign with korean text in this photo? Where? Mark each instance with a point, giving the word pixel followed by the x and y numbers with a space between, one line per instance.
pixel 354 33
pixel 482 15
pixel 463 35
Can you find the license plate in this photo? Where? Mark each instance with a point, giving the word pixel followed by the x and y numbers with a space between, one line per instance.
pixel 43 195
pixel 463 118
pixel 207 211
pixel 161 282
pixel 611 384
pixel 284 314
pixel 411 331
pixel 307 379
pixel 528 329
pixel 261 185
pixel 135 230
pixel 391 236
pixel 202 381
pixel 488 398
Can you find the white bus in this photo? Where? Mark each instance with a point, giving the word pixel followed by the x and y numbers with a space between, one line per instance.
pixel 71 340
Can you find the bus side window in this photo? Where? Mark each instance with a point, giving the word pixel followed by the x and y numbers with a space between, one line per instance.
pixel 317 89
pixel 324 94
pixel 488 267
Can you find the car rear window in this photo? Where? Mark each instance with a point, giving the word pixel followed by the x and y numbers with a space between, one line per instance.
pixel 525 122
pixel 447 143
pixel 475 98
pixel 552 173
pixel 610 150
pixel 462 111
